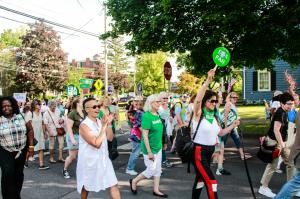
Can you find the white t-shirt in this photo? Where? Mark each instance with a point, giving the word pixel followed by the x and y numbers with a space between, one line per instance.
pixel 207 133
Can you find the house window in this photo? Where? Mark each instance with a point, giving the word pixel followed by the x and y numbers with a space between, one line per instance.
pixel 264 80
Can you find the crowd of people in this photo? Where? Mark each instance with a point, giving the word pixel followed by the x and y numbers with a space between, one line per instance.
pixel 89 125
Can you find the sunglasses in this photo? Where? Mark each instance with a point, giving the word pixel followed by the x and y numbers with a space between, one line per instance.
pixel 290 104
pixel 157 101
pixel 234 97
pixel 165 98
pixel 214 101
pixel 94 107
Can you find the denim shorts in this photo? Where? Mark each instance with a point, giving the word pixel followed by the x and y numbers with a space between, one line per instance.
pixel 69 143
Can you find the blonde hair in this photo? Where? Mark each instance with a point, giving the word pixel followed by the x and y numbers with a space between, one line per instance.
pixel 149 101
pixel 229 96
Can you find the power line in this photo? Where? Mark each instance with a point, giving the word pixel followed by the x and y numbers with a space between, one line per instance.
pixel 35 25
pixel 89 21
pixel 49 22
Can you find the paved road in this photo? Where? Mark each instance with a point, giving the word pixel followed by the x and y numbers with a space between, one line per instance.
pixel 175 181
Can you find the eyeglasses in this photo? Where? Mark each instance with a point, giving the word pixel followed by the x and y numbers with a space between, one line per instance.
pixel 290 104
pixel 165 98
pixel 234 97
pixel 213 101
pixel 94 107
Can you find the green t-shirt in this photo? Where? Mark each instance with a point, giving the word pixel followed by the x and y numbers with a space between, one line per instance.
pixel 101 114
pixel 154 125
pixel 74 115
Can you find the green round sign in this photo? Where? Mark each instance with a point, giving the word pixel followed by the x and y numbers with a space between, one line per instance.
pixel 221 56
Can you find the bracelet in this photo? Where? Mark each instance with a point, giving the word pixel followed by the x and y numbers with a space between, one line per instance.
pixel 31 147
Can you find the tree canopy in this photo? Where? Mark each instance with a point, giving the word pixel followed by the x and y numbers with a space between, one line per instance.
pixel 256 32
pixel 150 72
pixel 41 63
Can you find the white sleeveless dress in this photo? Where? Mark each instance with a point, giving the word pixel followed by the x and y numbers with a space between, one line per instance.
pixel 94 168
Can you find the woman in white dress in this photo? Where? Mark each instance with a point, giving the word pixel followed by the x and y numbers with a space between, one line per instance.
pixel 95 171
pixel 39 132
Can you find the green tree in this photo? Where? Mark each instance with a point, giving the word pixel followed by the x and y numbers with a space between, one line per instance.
pixel 74 75
pixel 9 42
pixel 117 55
pixel 150 72
pixel 188 83
pixel 256 32
pixel 41 63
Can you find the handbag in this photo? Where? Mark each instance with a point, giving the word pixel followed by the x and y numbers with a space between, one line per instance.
pixel 267 150
pixel 184 142
pixel 112 149
pixel 60 131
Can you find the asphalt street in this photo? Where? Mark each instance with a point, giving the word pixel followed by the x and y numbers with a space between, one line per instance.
pixel 175 181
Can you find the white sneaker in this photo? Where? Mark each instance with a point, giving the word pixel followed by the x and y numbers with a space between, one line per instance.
pixel 266 191
pixel 131 172
pixel 279 171
pixel 298 194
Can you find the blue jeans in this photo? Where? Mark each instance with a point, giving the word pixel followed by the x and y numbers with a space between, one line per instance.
pixel 235 136
pixel 134 155
pixel 290 188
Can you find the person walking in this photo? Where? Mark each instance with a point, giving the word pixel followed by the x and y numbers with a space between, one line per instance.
pixel 16 138
pixel 75 117
pixel 151 146
pixel 39 132
pixel 277 135
pixel 292 187
pixel 230 111
pixel 135 138
pixel 52 121
pixel 95 171
pixel 205 138
pixel 164 113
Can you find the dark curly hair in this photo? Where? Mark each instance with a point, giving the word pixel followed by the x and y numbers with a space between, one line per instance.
pixel 14 104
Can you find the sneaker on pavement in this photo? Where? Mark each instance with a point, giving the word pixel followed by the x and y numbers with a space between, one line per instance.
pixel 222 172
pixel 167 164
pixel 66 174
pixel 26 165
pixel 43 167
pixel 131 172
pixel 266 191
pixel 279 171
pixel 31 159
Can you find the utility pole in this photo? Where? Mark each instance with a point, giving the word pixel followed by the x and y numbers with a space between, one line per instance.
pixel 105 53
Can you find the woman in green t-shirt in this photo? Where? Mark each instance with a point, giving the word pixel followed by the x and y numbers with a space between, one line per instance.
pixel 151 145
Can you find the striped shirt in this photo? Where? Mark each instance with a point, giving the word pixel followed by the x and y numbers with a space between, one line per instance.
pixel 13 133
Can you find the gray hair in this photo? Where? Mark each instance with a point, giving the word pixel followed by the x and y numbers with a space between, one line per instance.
pixel 51 103
pixel 162 94
pixel 149 101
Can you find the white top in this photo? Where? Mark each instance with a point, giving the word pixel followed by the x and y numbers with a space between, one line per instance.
pixel 94 168
pixel 207 133
pixel 275 104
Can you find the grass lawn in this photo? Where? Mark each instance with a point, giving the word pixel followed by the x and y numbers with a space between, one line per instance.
pixel 253 122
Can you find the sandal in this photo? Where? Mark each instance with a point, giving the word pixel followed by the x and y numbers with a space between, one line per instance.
pixel 247 156
pixel 52 161
pixel 61 161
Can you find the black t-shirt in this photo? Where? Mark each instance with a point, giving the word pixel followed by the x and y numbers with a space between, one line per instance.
pixel 280 116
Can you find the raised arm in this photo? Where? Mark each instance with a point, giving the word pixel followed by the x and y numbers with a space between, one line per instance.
pixel 201 92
